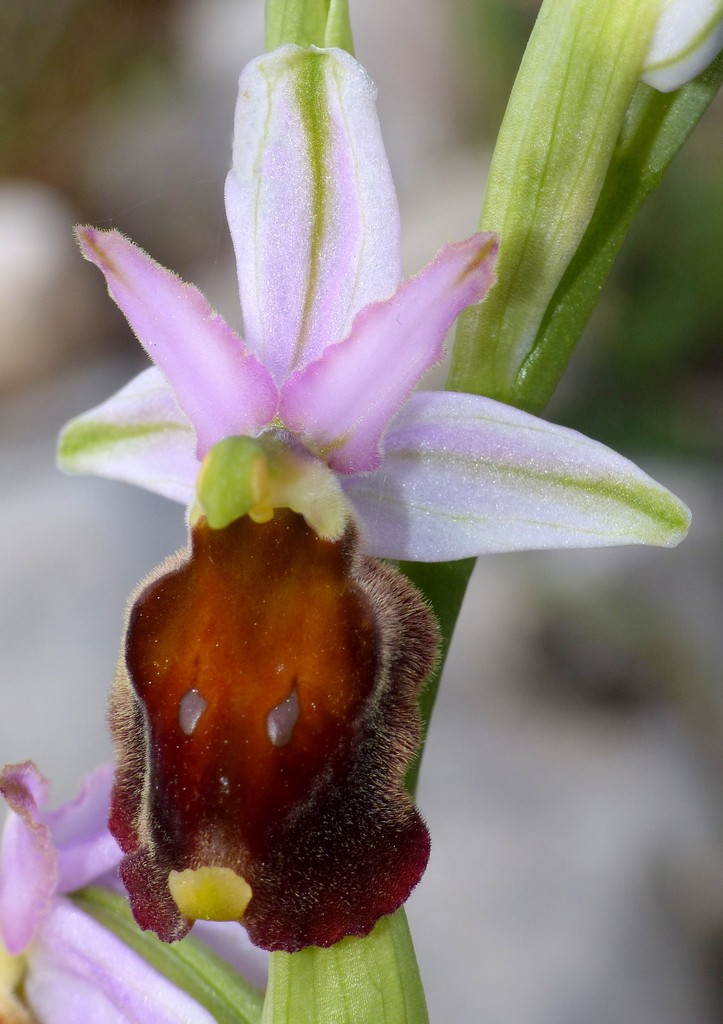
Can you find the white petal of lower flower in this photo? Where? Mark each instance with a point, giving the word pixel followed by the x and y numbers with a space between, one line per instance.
pixel 79 971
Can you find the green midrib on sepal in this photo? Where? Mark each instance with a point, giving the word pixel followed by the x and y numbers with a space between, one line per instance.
pixel 311 97
pixel 86 438
pixel 669 517
pixel 189 964
pixel 374 980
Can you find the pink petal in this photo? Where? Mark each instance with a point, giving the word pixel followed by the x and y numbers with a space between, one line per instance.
pixel 28 867
pixel 341 404
pixel 464 475
pixel 85 848
pixel 219 385
pixel 311 203
pixel 138 435
pixel 80 972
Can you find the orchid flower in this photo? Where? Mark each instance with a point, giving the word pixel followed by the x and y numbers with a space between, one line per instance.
pixel 265 706
pixel 66 965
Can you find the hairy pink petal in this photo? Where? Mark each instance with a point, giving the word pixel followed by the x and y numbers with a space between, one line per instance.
pixel 28 866
pixel 341 404
pixel 85 848
pixel 220 386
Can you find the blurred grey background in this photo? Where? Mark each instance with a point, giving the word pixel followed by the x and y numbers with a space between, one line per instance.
pixel 572 776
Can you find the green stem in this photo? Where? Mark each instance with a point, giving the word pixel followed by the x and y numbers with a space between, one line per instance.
pixel 358 981
pixel 308 23
pixel 444 585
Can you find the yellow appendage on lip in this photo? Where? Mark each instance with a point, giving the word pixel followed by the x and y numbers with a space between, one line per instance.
pixel 210 893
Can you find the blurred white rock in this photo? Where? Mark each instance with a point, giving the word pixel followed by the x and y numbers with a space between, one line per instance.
pixel 47 303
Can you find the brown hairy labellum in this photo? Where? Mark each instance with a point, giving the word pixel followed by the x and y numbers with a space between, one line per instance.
pixel 264 715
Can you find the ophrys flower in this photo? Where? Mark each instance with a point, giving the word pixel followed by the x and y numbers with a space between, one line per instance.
pixel 264 709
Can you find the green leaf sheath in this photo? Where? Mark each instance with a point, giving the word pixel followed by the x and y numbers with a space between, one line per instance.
pixel 656 126
pixel 308 23
pixel 574 86
pixel 358 981
pixel 189 964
